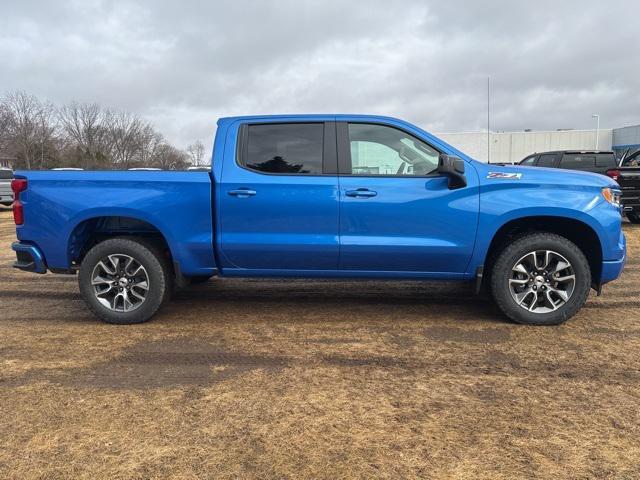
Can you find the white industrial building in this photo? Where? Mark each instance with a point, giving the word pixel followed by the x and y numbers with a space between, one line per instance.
pixel 511 147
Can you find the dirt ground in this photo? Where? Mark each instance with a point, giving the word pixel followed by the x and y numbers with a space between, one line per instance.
pixel 306 379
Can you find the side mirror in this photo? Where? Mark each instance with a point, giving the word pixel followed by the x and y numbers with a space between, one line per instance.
pixel 453 168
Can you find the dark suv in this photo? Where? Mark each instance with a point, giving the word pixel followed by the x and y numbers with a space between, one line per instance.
pixel 585 160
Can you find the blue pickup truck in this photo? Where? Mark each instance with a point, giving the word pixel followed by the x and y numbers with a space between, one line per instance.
pixel 332 196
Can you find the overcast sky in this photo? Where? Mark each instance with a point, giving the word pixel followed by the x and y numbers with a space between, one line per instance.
pixel 181 64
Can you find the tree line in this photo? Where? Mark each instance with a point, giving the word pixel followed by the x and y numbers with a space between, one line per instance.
pixel 39 135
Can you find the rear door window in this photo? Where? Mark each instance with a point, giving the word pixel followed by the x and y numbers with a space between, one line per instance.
pixel 285 148
pixel 605 160
pixel 548 160
pixel 578 161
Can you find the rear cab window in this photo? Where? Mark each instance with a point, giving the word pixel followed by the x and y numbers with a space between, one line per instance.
pixel 6 174
pixel 578 161
pixel 283 148
pixel 605 160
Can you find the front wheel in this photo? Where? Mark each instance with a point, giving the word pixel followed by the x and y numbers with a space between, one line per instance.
pixel 634 217
pixel 124 281
pixel 541 279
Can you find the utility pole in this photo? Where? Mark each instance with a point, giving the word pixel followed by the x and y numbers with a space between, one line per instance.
pixel 488 123
pixel 597 117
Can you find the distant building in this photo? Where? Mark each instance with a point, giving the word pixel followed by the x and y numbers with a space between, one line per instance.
pixel 626 138
pixel 508 147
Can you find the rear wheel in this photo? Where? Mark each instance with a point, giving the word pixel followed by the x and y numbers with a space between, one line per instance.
pixel 541 279
pixel 124 281
pixel 634 217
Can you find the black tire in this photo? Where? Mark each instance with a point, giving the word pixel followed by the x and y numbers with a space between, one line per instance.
pixel 507 259
pixel 200 279
pixel 160 279
pixel 634 217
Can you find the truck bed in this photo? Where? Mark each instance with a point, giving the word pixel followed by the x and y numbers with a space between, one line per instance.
pixel 63 205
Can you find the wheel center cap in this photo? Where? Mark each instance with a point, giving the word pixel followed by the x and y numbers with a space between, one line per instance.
pixel 123 282
pixel 539 280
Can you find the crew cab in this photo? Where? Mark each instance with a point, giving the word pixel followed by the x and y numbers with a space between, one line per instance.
pixel 324 196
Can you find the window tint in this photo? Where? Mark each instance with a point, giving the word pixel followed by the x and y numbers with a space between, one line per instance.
pixel 382 150
pixel 6 174
pixel 578 161
pixel 285 148
pixel 606 160
pixel 529 161
pixel 547 160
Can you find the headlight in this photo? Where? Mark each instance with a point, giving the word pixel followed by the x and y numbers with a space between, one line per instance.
pixel 612 196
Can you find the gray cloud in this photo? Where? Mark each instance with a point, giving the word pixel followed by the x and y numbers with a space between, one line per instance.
pixel 182 64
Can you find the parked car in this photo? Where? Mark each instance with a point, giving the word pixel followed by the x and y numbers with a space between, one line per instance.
pixel 628 177
pixel 287 197
pixel 585 160
pixel 6 195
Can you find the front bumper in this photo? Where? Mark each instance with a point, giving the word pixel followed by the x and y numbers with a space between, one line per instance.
pixel 29 258
pixel 612 269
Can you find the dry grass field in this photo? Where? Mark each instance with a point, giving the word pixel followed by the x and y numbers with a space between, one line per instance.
pixel 305 379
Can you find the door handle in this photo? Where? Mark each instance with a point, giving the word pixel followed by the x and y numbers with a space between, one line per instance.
pixel 361 193
pixel 242 193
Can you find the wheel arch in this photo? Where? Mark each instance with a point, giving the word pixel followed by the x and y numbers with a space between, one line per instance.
pixel 576 231
pixel 96 229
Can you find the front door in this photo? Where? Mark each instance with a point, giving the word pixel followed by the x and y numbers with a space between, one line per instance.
pixel 279 198
pixel 396 213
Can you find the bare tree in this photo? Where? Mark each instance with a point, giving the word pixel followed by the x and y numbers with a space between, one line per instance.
pixel 86 128
pixel 27 127
pixel 151 142
pixel 83 135
pixel 196 152
pixel 126 133
pixel 170 158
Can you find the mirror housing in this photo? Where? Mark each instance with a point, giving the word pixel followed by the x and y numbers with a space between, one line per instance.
pixel 452 168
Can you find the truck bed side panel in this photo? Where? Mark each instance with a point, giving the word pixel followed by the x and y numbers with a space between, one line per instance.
pixel 178 204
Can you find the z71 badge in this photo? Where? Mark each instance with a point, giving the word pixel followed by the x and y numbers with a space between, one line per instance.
pixel 505 176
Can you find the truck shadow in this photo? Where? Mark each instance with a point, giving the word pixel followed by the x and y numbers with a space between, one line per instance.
pixel 373 300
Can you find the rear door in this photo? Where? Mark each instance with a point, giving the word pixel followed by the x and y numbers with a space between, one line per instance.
pixel 279 198
pixel 396 213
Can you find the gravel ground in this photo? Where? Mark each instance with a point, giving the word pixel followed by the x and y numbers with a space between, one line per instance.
pixel 308 379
